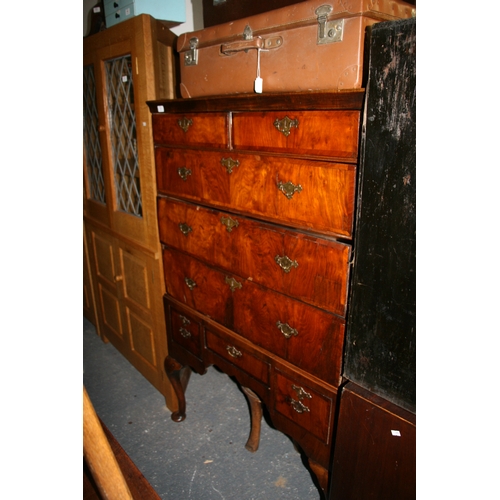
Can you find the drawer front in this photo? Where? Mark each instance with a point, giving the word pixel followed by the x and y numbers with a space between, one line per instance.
pixel 186 332
pixel 119 14
pixel 312 133
pixel 307 407
pixel 318 196
pixel 111 6
pixel 207 130
pixel 307 337
pixel 239 355
pixel 314 270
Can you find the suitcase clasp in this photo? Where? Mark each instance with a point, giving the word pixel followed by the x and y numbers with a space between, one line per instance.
pixel 191 55
pixel 328 32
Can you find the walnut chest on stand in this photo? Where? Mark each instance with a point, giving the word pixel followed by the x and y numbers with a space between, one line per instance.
pixel 256 204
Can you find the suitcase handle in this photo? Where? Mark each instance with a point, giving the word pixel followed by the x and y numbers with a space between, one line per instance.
pixel 240 45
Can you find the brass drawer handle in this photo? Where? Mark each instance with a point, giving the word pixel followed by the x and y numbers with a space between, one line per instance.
pixel 233 352
pixel 229 164
pixel 184 172
pixel 185 333
pixel 299 407
pixel 285 124
pixel 289 188
pixel 229 223
pixel 233 284
pixel 286 263
pixel 286 329
pixel 185 123
pixel 185 229
pixel 190 283
pixel 301 393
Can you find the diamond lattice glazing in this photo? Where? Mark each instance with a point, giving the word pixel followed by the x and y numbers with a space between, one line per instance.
pixel 91 139
pixel 120 92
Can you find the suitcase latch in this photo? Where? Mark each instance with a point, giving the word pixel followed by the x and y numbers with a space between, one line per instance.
pixel 191 55
pixel 328 31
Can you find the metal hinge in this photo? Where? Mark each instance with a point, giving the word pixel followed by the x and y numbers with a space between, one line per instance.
pixel 191 55
pixel 328 31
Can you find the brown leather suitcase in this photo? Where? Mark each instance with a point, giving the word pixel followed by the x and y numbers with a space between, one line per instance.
pixel 312 45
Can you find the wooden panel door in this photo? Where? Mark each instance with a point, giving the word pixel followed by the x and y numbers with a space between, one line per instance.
pixel 128 304
pixel 89 308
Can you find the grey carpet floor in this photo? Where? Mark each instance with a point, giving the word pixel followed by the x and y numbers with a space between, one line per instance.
pixel 203 457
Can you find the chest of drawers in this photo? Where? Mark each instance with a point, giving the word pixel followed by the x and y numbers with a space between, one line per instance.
pixel 256 204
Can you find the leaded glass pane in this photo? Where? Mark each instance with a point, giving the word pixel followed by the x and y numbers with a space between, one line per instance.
pixel 91 138
pixel 123 134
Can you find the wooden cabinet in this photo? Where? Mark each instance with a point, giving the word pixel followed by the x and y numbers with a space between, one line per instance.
pixel 256 200
pixel 375 449
pixel 123 67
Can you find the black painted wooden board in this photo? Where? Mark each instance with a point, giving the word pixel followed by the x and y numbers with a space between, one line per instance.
pixel 380 347
pixel 224 11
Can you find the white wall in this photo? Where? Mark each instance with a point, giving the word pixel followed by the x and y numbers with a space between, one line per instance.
pixel 194 16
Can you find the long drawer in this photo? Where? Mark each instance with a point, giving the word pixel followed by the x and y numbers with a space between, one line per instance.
pixel 312 269
pixel 306 336
pixel 313 195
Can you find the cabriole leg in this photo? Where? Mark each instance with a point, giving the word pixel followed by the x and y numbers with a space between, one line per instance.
pixel 256 419
pixel 179 377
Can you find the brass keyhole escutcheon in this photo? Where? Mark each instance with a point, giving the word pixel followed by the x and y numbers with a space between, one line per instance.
pixel 233 284
pixel 185 123
pixel 286 263
pixel 184 320
pixel 229 164
pixel 286 329
pixel 183 173
pixel 285 125
pixel 289 188
pixel 190 283
pixel 229 223
pixel 185 229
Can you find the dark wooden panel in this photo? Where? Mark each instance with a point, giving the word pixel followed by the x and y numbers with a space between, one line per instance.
pixel 375 449
pixel 380 348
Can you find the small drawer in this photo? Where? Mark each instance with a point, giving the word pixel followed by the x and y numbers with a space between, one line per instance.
pixel 332 134
pixel 186 332
pixel 208 130
pixel 111 6
pixel 304 405
pixel 239 355
pixel 118 14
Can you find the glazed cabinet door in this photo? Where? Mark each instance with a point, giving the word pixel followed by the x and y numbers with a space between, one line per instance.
pixel 119 76
pixel 125 282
